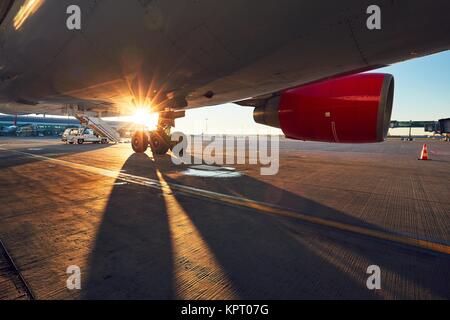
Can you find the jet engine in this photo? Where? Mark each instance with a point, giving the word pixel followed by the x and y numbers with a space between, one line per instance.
pixel 349 109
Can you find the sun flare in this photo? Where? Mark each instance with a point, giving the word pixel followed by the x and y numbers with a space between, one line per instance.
pixel 143 117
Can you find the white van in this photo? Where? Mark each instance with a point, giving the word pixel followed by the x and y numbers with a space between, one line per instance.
pixel 82 135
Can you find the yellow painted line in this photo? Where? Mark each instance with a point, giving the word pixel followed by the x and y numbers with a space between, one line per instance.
pixel 250 204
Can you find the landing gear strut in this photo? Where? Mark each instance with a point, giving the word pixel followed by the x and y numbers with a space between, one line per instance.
pixel 159 140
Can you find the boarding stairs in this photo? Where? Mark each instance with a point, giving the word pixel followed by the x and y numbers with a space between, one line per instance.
pixel 100 127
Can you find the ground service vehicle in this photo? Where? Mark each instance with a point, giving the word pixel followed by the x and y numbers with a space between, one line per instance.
pixel 82 135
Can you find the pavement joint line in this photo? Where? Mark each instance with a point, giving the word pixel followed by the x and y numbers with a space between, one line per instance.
pixel 28 290
pixel 249 204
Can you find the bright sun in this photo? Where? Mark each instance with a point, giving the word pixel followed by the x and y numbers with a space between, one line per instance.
pixel 143 117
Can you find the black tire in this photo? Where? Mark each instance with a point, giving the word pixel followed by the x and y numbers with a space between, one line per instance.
pixel 139 142
pixel 80 141
pixel 70 142
pixel 159 142
pixel 104 141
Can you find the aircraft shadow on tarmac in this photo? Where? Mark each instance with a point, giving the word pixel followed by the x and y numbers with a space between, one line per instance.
pixel 133 255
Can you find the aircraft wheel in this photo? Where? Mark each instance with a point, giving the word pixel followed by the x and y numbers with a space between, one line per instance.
pixel 159 142
pixel 139 142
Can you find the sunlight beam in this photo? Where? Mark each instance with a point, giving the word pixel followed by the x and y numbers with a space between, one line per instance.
pixel 197 273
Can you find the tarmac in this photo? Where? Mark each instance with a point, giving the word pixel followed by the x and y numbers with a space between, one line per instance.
pixel 141 227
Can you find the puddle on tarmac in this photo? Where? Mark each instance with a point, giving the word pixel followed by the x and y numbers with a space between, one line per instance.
pixel 206 171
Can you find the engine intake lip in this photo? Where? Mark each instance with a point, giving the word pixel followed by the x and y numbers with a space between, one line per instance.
pixel 385 107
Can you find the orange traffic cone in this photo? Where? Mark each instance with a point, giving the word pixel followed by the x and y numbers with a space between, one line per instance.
pixel 424 153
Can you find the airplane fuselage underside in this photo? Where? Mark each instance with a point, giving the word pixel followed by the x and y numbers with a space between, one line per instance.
pixel 186 54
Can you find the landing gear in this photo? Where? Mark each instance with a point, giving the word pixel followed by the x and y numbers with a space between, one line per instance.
pixel 159 140
pixel 139 143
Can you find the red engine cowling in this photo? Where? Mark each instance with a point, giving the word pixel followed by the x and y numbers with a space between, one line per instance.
pixel 351 109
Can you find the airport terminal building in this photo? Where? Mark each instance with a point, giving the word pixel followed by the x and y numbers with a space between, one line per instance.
pixel 26 126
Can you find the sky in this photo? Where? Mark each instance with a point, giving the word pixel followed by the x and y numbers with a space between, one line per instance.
pixel 422 92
